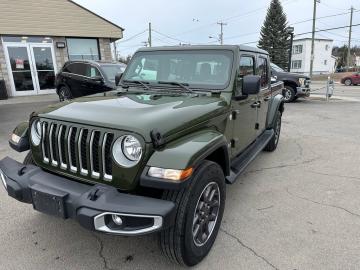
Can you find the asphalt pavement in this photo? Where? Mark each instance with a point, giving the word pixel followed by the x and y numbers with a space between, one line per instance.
pixel 296 208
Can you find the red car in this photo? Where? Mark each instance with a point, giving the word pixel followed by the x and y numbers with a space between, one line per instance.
pixel 353 79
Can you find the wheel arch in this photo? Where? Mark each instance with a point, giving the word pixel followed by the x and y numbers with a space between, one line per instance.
pixel 277 104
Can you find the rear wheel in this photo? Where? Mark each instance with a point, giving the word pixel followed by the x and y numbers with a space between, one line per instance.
pixel 289 94
pixel 348 82
pixel 199 211
pixel 272 145
pixel 64 93
pixel 29 159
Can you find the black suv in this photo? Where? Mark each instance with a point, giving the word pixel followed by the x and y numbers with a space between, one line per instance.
pixel 85 77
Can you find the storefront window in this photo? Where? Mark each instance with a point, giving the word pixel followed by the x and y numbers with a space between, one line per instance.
pixel 83 49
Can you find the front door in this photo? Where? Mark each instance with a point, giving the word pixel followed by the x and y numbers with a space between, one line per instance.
pixel 31 68
pixel 244 114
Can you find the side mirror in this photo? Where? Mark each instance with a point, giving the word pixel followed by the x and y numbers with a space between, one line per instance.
pixel 251 85
pixel 98 79
pixel 118 78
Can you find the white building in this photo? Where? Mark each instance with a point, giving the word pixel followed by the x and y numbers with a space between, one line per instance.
pixel 324 62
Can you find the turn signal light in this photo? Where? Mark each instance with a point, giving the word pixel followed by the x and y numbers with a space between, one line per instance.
pixel 170 174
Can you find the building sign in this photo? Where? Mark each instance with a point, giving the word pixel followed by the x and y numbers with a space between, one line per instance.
pixel 19 63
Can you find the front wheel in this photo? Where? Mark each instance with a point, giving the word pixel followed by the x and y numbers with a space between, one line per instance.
pixel 289 94
pixel 272 144
pixel 348 82
pixel 199 211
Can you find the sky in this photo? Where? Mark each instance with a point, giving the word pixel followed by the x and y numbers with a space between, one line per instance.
pixel 193 21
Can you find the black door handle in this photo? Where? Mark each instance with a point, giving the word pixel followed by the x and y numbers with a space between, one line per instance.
pixel 256 104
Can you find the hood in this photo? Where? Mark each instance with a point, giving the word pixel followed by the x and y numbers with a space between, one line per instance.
pixel 139 113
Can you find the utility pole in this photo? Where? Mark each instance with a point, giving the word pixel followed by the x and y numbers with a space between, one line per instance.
pixel 349 44
pixel 221 36
pixel 149 39
pixel 313 39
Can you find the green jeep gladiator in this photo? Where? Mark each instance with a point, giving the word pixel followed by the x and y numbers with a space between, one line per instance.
pixel 154 155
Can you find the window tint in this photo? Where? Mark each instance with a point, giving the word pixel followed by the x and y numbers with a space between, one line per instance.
pixel 247 66
pixel 76 68
pixel 263 71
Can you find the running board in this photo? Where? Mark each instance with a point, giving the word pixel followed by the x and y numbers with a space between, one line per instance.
pixel 240 163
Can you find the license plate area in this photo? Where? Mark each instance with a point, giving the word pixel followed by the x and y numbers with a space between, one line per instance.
pixel 49 201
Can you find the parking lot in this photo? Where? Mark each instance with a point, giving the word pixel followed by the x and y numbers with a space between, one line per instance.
pixel 296 208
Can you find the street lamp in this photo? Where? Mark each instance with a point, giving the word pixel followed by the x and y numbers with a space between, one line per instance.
pixel 290 31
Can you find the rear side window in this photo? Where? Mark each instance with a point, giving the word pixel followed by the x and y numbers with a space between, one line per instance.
pixel 263 71
pixel 76 68
pixel 92 71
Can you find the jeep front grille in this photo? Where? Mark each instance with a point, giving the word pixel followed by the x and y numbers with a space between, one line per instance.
pixel 77 150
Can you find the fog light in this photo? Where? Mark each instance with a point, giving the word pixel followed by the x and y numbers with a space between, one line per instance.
pixel 117 219
pixel 2 176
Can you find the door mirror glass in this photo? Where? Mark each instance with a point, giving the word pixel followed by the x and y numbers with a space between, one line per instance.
pixel 118 78
pixel 251 85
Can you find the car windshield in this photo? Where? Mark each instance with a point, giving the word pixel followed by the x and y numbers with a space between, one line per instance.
pixel 198 69
pixel 112 70
pixel 276 67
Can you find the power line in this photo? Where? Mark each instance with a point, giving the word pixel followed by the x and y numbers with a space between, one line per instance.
pixel 132 37
pixel 329 29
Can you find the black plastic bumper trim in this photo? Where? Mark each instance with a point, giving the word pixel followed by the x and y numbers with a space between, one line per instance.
pixel 79 204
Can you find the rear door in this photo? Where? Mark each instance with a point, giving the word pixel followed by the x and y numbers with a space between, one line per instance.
pixel 76 78
pixel 264 95
pixel 243 114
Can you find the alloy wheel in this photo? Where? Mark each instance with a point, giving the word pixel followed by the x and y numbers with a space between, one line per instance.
pixel 206 214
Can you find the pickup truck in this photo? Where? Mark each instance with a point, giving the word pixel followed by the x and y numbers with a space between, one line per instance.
pixel 296 85
pixel 153 156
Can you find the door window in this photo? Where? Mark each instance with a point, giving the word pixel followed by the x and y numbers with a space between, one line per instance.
pixel 20 67
pixel 44 67
pixel 76 68
pixel 263 71
pixel 92 71
pixel 247 67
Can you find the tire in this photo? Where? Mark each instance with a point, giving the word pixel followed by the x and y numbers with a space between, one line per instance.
pixel 272 144
pixel 29 159
pixel 289 94
pixel 64 93
pixel 178 242
pixel 348 82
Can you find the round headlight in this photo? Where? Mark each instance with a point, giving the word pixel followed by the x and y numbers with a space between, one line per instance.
pixel 127 151
pixel 36 132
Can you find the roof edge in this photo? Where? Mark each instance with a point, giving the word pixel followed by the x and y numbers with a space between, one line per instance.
pixel 97 15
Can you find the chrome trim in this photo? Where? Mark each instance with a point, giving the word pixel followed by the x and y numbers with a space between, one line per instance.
pixel 45 158
pixel 72 167
pixel 53 161
pixel 62 164
pixel 82 170
pixel 99 224
pixel 93 173
pixel 107 177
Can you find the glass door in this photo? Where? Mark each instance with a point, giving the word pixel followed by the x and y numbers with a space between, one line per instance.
pixel 20 69
pixel 43 66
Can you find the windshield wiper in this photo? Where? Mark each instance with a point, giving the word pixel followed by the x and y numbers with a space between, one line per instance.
pixel 138 82
pixel 182 85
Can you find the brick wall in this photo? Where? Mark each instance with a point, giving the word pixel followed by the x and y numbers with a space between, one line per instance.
pixel 105 50
pixel 61 55
pixel 3 69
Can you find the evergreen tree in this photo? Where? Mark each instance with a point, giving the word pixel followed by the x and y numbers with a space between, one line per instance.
pixel 274 37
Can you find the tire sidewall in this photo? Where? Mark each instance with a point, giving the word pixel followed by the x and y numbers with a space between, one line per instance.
pixel 348 82
pixel 194 254
pixel 64 93
pixel 292 91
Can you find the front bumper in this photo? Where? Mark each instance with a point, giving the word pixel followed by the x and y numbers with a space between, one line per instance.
pixel 91 206
pixel 302 92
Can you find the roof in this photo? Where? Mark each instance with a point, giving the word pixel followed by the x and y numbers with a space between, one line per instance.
pixel 205 47
pixel 316 39
pixel 97 63
pixel 59 18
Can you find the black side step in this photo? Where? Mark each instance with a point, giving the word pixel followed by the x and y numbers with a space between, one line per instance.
pixel 240 163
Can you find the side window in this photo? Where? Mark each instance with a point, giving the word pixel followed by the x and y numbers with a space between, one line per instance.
pixel 92 71
pixel 77 68
pixel 263 71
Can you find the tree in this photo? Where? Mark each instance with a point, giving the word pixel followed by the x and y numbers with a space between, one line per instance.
pixel 274 37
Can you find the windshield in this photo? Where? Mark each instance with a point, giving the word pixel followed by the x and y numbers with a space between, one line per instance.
pixel 277 68
pixel 112 70
pixel 208 69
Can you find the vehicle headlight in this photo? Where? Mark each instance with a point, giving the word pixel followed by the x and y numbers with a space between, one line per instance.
pixel 302 81
pixel 127 151
pixel 36 132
